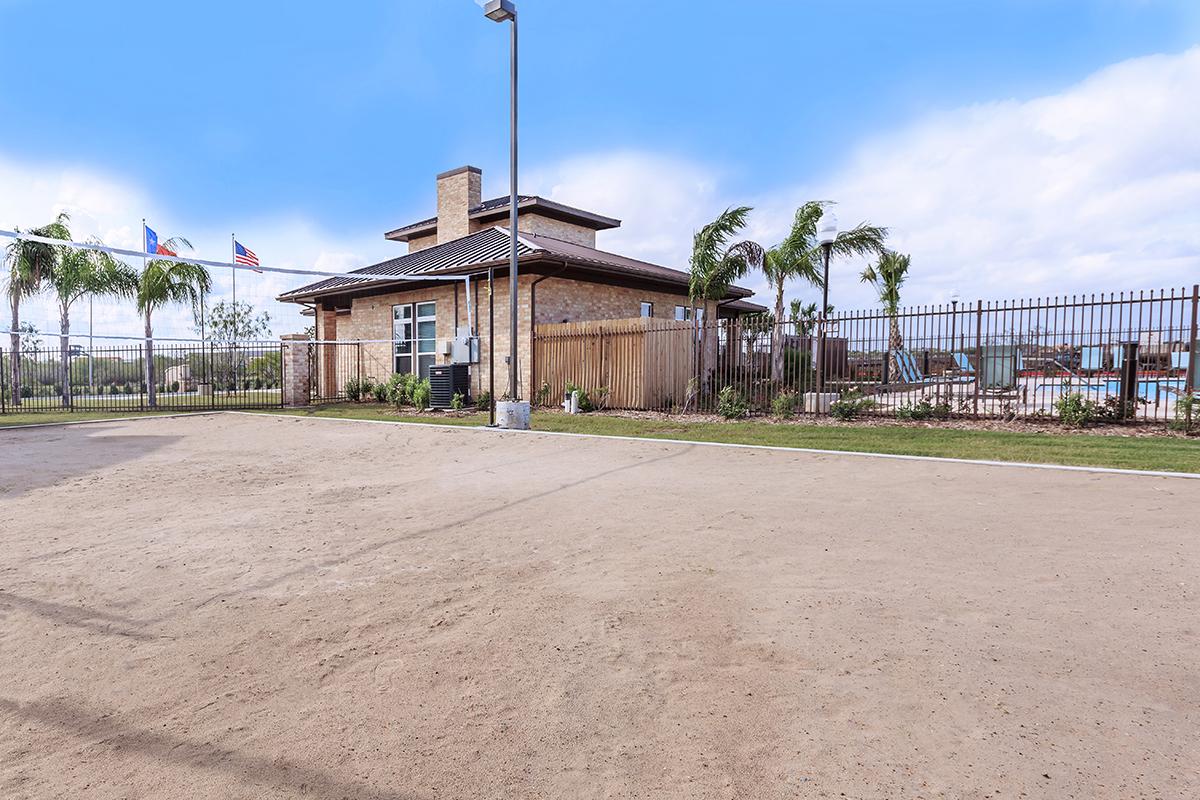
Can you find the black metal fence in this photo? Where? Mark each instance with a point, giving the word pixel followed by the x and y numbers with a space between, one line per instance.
pixel 181 376
pixel 1123 355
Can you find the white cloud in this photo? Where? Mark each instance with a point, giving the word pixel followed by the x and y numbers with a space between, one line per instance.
pixel 1094 188
pixel 660 200
pixel 107 207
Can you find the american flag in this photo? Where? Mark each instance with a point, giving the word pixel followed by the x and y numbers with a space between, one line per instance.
pixel 244 255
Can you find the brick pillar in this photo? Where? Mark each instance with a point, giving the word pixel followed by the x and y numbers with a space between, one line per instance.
pixel 296 380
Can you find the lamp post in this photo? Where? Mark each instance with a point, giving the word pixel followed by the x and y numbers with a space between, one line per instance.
pixel 827 230
pixel 506 11
pixel 954 319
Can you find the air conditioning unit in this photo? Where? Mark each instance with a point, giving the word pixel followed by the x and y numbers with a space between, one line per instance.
pixel 447 380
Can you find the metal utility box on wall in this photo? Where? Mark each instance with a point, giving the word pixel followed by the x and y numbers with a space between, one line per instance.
pixel 447 380
pixel 465 347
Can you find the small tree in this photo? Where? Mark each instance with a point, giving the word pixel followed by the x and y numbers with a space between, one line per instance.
pixel 887 276
pixel 236 322
pixel 27 262
pixel 77 273
pixel 716 262
pixel 164 283
pixel 800 256
pixel 228 324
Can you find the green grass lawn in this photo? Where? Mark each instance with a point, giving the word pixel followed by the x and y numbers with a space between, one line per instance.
pixel 1168 453
pixel 48 417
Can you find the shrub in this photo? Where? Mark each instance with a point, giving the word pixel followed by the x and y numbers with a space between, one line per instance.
pixel 357 388
pixel 543 394
pixel 850 405
pixel 420 394
pixel 399 389
pixel 585 401
pixel 174 386
pixel 1185 413
pixel 484 400
pixel 923 409
pixel 128 388
pixel 381 391
pixel 458 401
pixel 786 404
pixel 1076 411
pixel 731 404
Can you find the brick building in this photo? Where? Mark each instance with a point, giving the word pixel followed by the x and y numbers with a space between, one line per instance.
pixel 563 278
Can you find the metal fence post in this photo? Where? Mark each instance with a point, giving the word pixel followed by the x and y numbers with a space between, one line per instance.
pixel 1192 359
pixel 978 352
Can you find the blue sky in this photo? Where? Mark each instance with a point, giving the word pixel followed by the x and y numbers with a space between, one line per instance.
pixel 336 118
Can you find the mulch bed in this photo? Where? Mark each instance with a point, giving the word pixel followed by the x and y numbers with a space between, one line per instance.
pixel 1127 429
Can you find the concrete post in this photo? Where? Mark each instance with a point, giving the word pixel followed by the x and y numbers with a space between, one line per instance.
pixel 297 383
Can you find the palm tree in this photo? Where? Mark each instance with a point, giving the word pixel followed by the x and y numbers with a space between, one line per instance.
pixel 887 277
pixel 800 256
pixel 78 273
pixel 164 283
pixel 28 261
pixel 716 263
pixel 803 317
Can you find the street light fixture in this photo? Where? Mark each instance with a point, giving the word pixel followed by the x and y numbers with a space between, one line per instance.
pixel 506 11
pixel 827 231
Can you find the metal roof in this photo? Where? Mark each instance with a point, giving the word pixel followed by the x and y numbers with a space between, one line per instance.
pixel 491 246
pixel 495 208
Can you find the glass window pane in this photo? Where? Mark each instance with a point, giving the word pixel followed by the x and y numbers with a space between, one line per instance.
pixel 426 330
pixel 402 312
pixel 426 309
pixel 647 309
pixel 426 345
pixel 424 363
pixel 404 364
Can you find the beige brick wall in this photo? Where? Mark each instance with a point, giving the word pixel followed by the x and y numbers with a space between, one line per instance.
pixel 544 226
pixel 422 242
pixel 560 300
pixel 458 191
pixel 557 300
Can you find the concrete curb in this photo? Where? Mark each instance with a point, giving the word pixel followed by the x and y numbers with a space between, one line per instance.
pixel 775 448
pixel 36 425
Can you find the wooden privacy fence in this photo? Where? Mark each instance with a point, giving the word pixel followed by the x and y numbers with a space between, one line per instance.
pixel 621 363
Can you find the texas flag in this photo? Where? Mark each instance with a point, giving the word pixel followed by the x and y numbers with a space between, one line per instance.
pixel 152 245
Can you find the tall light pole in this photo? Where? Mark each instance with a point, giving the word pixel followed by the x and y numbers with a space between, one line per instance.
pixel 506 11
pixel 827 230
pixel 953 320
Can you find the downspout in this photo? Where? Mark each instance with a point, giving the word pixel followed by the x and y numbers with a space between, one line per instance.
pixel 533 326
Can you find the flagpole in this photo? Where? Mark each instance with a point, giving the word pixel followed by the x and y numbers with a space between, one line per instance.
pixel 233 273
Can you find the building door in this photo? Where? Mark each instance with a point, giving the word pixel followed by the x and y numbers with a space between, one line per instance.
pixel 414 332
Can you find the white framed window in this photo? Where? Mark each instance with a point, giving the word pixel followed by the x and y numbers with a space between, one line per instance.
pixel 683 313
pixel 647 309
pixel 414 333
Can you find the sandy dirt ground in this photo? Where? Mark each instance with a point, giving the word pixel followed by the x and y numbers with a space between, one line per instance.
pixel 264 607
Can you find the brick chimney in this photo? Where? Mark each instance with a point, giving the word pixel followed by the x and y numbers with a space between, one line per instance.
pixel 458 191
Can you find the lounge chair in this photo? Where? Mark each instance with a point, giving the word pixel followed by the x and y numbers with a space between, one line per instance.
pixel 962 364
pixel 1179 361
pixel 1091 359
pixel 911 376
